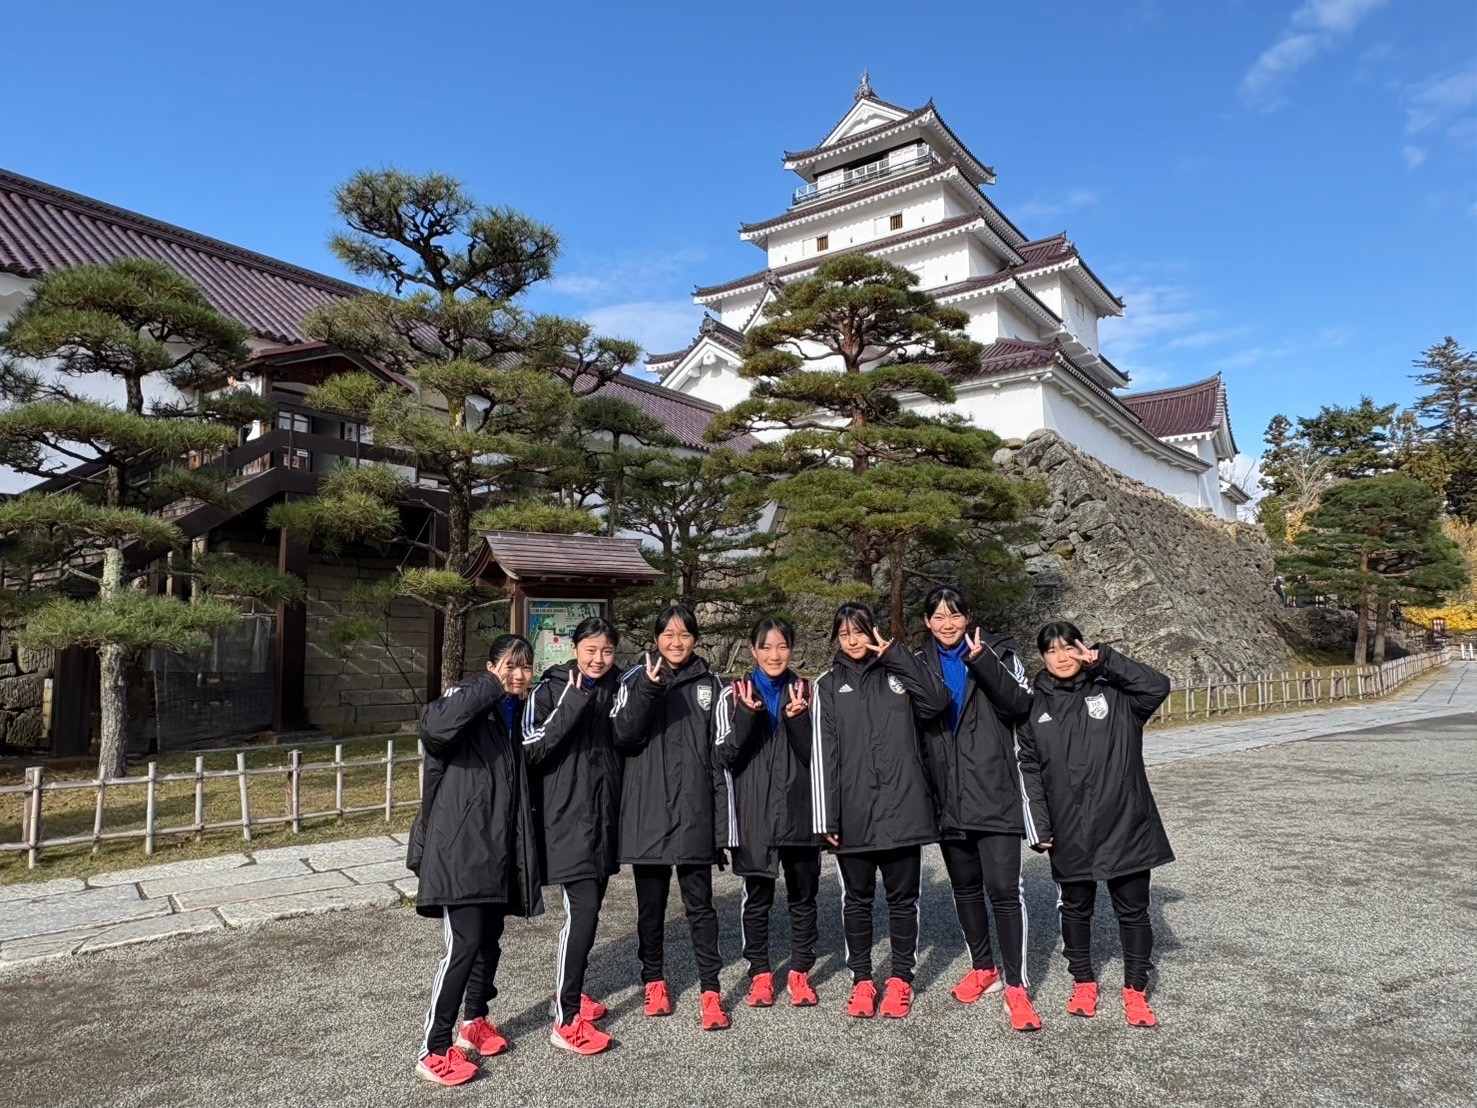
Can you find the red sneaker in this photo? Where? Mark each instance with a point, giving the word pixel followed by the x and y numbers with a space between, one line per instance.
pixel 451 1068
pixel 592 1009
pixel 1023 1016
pixel 1083 1001
pixel 801 994
pixel 1136 1008
pixel 658 1003
pixel 863 1002
pixel 580 1036
pixel 897 1002
pixel 481 1037
pixel 761 991
pixel 976 983
pixel 714 1017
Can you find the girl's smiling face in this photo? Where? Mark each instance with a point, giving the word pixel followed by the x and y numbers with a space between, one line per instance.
pixel 594 656
pixel 946 625
pixel 676 643
pixel 772 656
pixel 852 640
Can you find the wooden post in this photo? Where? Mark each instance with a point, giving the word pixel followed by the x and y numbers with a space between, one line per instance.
pixel 338 780
pixel 149 807
pixel 389 780
pixel 245 803
pixel 294 784
pixel 420 767
pixel 33 821
pixel 97 818
pixel 199 797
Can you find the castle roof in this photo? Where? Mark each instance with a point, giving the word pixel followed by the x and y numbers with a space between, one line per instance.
pixel 1198 408
pixel 926 119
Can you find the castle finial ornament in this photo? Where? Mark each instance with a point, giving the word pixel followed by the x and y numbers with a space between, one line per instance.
pixel 864 89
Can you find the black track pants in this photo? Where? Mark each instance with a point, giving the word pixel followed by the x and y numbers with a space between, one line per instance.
pixel 801 866
pixel 582 901
pixel 1130 895
pixel 695 883
pixel 902 876
pixel 983 865
pixel 473 934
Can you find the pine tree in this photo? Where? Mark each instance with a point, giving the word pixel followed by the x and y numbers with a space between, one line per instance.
pixel 1354 441
pixel 130 321
pixel 1449 373
pixel 448 316
pixel 863 480
pixel 1372 542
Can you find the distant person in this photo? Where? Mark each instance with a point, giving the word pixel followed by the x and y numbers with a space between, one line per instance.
pixel 971 754
pixel 1277 588
pixel 873 801
pixel 676 808
pixel 576 777
pixel 474 847
pixel 767 751
pixel 1081 756
pixel 1397 614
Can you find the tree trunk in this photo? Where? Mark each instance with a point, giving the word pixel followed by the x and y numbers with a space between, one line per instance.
pixel 458 543
pixel 1361 637
pixel 112 758
pixel 895 572
pixel 135 395
pixel 1381 620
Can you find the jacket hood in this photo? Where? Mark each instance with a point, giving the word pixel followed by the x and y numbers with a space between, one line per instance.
pixel 560 672
pixel 1048 684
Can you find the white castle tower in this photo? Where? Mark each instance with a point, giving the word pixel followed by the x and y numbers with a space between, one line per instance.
pixel 899 184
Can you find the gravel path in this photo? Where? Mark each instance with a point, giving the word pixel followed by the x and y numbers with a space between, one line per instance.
pixel 1314 948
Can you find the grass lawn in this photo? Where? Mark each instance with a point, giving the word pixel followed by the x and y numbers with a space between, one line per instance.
pixel 71 812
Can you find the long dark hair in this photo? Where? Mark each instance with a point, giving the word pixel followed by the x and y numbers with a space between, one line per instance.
pixel 515 648
pixel 591 626
pixel 947 596
pixel 772 623
pixel 680 612
pixel 859 615
pixel 1060 630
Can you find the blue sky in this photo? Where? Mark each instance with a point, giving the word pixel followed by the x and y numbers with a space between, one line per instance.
pixel 1284 191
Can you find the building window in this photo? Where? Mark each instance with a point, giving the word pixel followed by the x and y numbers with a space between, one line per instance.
pixel 822 242
pixel 895 221
pixel 294 421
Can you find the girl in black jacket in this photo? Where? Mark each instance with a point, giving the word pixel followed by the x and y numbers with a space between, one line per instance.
pixel 971 750
pixel 473 847
pixel 871 794
pixel 768 753
pixel 1090 808
pixel 676 809
pixel 576 778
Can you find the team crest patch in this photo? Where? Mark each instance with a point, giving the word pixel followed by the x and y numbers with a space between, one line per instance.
pixel 705 698
pixel 1097 706
pixel 894 684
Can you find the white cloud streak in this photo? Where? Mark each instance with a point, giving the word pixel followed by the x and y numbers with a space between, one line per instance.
pixel 1316 26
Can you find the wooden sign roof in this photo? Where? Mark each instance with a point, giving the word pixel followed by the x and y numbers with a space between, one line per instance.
pixel 530 559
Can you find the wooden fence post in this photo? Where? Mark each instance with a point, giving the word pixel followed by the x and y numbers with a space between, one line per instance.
pixel 294 785
pixel 245 803
pixel 149 807
pixel 199 798
pixel 420 769
pixel 33 818
pixel 97 818
pixel 338 780
pixel 389 780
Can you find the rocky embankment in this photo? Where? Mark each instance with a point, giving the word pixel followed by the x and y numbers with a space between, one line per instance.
pixel 1187 593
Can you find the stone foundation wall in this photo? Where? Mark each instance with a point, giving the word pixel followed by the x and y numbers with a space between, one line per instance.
pixel 23 676
pixel 1186 592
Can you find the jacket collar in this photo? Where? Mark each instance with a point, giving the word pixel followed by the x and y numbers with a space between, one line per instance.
pixel 1050 685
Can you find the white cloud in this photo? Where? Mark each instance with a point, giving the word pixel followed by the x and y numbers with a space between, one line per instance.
pixel 1045 207
pixel 658 325
pixel 1414 155
pixel 1316 26
pixel 1443 103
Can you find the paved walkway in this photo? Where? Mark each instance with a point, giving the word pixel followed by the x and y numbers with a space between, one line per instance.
pixel 55 919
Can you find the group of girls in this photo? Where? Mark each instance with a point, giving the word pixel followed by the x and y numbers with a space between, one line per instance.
pixel 668 769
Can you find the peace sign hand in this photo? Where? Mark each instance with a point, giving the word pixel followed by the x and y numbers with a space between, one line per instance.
pixel 574 677
pixel 653 668
pixel 976 645
pixel 743 692
pixel 1083 653
pixel 878 645
pixel 797 702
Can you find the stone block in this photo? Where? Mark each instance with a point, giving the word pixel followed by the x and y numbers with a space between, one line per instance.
pixel 377 714
pixel 147 930
pixel 202 881
pixel 409 888
pixel 336 854
pixel 22 692
pixel 34 659
pixel 259 890
pixel 380 872
pixel 42 947
pixel 330 716
pixel 35 890
pixel 310 903
pixel 72 911
pixel 166 871
pixel 26 730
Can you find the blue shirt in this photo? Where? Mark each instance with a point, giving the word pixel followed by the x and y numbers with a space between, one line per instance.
pixel 770 689
pixel 956 676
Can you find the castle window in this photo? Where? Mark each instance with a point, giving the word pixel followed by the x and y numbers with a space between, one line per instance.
pixel 822 242
pixel 895 221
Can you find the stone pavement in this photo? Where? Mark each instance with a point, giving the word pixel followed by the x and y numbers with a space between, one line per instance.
pixel 53 919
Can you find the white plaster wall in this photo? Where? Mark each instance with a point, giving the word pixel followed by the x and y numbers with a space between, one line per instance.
pixel 1063 415
pixel 735 311
pixel 1012 410
pixel 858 225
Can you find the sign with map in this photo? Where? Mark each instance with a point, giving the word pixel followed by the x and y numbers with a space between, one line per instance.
pixel 551 625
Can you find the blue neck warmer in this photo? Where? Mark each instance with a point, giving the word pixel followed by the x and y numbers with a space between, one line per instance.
pixel 956 676
pixel 770 689
pixel 512 705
